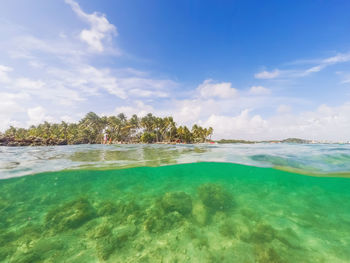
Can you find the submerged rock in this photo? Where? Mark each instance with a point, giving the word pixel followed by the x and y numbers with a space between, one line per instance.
pixel 215 197
pixel 107 208
pixel 168 212
pixel 115 240
pixel 263 233
pixel 228 228
pixel 101 230
pixel 267 255
pixel 70 215
pixel 177 202
pixel 28 257
pixel 200 213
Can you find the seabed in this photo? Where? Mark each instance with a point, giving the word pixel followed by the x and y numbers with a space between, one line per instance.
pixel 199 212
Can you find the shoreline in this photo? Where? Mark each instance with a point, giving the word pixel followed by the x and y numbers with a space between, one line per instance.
pixel 36 141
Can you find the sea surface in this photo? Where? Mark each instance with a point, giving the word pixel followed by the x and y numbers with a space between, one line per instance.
pixel 175 203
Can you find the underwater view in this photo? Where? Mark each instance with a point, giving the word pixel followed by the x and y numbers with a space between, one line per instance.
pixel 183 203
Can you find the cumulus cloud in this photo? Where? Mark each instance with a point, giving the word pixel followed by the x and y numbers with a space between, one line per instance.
pixel 101 30
pixel 324 123
pixel 259 90
pixel 138 107
pixel 38 115
pixel 221 90
pixel 240 126
pixel 267 74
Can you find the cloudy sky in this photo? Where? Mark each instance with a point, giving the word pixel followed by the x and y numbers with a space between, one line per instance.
pixel 250 69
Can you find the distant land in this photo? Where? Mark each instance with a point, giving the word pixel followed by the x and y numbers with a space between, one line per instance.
pixel 288 140
pixel 93 129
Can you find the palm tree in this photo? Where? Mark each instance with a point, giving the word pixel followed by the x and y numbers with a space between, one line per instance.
pixel 91 127
pixel 89 130
pixel 147 122
pixel 63 130
pixel 210 132
pixel 11 131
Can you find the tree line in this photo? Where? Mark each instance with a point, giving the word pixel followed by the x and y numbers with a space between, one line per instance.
pixel 93 129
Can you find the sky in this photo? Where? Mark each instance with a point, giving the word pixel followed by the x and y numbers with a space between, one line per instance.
pixel 252 70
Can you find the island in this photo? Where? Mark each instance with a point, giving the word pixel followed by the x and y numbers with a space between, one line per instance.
pixel 93 129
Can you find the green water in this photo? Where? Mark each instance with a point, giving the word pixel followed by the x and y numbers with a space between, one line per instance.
pixel 200 212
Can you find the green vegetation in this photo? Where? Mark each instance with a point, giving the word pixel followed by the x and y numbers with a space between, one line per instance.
pixel 295 140
pixel 118 129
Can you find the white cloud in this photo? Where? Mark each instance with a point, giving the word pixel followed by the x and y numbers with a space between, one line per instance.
pixel 259 90
pixel 187 112
pixel 346 79
pixel 100 29
pixel 341 57
pixel 221 90
pixel 38 115
pixel 267 74
pixel 148 93
pixel 68 119
pixel 4 70
pixel 11 102
pixel 91 78
pixel 240 126
pixel 139 108
pixel 284 109
pixel 324 123
pixel 11 105
pixel 25 83
pixel 320 64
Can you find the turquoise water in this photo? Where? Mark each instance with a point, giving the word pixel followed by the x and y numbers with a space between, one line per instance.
pixel 170 212
pixel 309 158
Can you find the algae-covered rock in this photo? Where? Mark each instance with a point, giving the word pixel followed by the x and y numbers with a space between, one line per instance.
pixel 116 240
pixel 105 247
pixel 6 251
pixel 70 215
pixel 167 212
pixel 28 257
pixel 157 223
pixel 7 237
pixel 125 209
pixel 177 202
pixel 101 230
pixel 263 233
pixel 267 255
pixel 215 197
pixel 172 220
pixel 107 208
pixel 123 233
pixel 200 213
pixel 227 228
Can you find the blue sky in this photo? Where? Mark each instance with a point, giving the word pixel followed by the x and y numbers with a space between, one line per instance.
pixel 250 69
